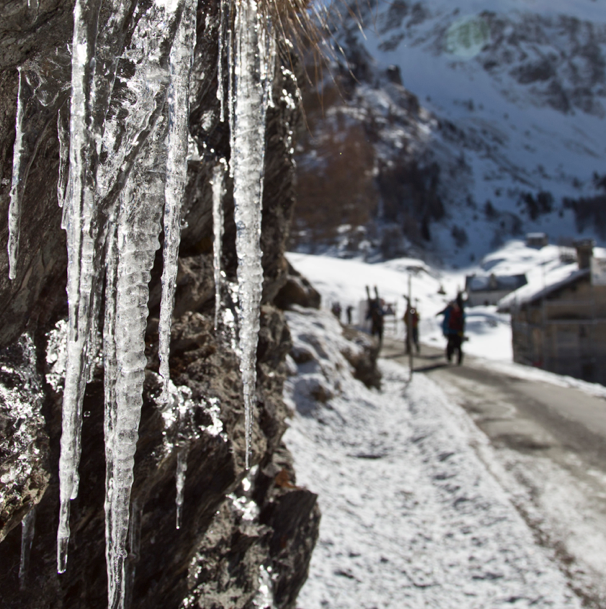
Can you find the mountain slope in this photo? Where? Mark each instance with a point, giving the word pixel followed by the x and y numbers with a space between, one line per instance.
pixel 481 124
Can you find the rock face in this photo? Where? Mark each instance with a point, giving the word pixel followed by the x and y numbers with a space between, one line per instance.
pixel 297 291
pixel 245 541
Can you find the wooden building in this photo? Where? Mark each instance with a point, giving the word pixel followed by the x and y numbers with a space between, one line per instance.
pixel 561 325
pixel 538 240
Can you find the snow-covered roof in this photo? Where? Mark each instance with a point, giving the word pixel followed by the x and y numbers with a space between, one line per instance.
pixel 492 283
pixel 553 280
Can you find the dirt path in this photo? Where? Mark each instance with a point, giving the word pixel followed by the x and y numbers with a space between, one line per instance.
pixel 550 443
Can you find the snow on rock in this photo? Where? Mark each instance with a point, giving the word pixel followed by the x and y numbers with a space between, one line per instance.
pixel 411 516
pixel 23 441
pixel 323 353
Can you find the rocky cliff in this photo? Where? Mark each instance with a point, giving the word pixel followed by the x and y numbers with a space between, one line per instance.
pixel 245 539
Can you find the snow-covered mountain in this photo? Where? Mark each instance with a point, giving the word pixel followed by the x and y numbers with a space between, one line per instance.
pixel 463 122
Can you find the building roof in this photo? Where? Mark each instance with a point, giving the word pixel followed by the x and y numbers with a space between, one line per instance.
pixel 553 280
pixel 494 283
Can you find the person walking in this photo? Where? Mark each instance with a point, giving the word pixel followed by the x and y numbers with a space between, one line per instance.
pixel 411 321
pixel 349 311
pixel 453 328
pixel 375 313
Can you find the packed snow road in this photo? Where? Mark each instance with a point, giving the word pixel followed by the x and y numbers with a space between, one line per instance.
pixel 414 514
pixel 543 416
pixel 550 447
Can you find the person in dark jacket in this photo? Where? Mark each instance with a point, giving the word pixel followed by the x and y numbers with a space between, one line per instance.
pixel 349 312
pixel 376 313
pixel 453 328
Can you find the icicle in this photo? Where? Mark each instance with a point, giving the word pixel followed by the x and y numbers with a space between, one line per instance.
pixel 110 373
pixel 138 229
pixel 136 242
pixel 247 162
pixel 218 188
pixel 63 137
pixel 178 131
pixel 267 53
pixel 186 431
pixel 182 455
pixel 220 88
pixel 231 105
pixel 134 533
pixel 270 49
pixel 94 339
pixel 28 527
pixel 104 147
pixel 16 194
pixel 77 218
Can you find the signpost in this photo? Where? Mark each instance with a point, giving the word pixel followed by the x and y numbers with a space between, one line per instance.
pixel 409 341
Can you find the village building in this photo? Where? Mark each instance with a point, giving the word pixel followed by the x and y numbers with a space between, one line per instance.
pixel 560 325
pixel 490 289
pixel 538 240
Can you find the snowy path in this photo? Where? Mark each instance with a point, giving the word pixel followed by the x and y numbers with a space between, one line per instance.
pixel 411 516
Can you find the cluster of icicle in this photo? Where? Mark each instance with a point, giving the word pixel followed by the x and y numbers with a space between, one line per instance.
pixel 123 169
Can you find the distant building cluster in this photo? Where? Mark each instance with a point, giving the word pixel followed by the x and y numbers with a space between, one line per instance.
pixel 490 289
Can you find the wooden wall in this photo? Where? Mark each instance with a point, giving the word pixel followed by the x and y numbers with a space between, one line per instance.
pixel 565 332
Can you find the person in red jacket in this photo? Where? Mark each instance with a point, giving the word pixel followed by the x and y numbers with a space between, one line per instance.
pixel 411 321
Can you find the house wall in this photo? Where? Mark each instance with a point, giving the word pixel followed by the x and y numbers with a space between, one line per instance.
pixel 565 333
pixel 478 298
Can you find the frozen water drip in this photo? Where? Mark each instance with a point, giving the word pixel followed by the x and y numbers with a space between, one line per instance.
pixel 176 174
pixel 248 107
pixel 218 185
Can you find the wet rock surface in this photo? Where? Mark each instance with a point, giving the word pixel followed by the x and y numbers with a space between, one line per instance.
pixel 297 291
pixel 244 539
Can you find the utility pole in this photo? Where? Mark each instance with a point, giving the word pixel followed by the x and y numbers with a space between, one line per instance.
pixel 409 341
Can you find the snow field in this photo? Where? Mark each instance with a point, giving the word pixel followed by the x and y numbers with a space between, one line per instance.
pixel 488 331
pixel 345 281
pixel 411 516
